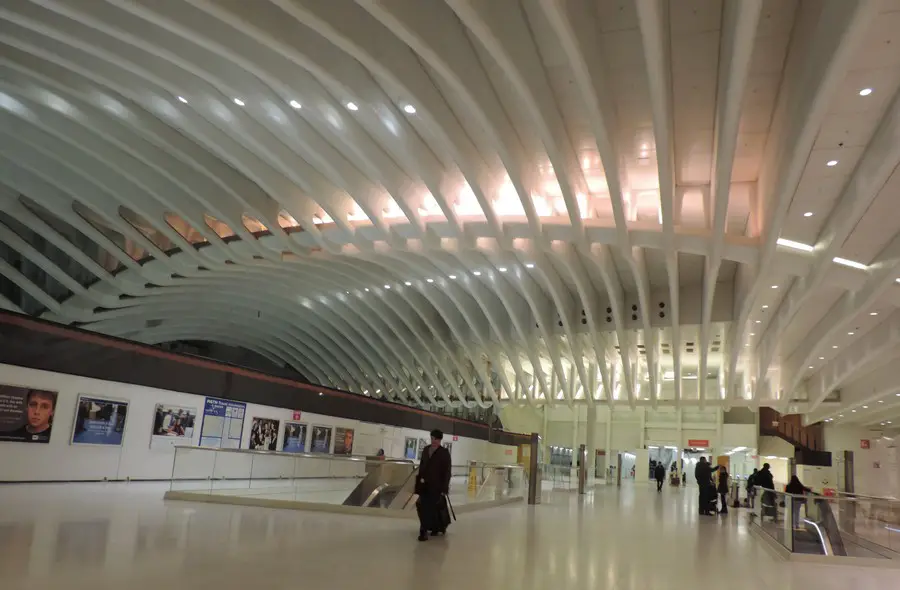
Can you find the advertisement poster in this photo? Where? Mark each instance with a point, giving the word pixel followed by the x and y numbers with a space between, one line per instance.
pixel 294 438
pixel 422 444
pixel 99 421
pixel 321 439
pixel 264 434
pixel 223 423
pixel 410 447
pixel 172 425
pixel 26 415
pixel 343 441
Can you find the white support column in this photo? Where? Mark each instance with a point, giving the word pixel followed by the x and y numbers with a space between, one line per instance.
pixel 607 449
pixel 544 433
pixel 590 441
pixel 679 416
pixel 575 416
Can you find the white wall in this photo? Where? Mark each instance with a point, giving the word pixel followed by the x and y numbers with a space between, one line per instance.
pixel 876 470
pixel 61 461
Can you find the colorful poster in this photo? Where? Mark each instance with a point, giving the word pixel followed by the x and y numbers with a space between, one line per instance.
pixel 99 421
pixel 264 434
pixel 410 446
pixel 172 425
pixel 294 438
pixel 343 441
pixel 26 415
pixel 223 423
pixel 321 439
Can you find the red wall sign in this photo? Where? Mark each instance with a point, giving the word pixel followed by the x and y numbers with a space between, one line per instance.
pixel 864 443
pixel 455 438
pixel 508 451
pixel 698 443
pixel 296 415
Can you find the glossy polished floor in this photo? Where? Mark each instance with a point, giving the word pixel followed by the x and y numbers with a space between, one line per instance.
pixel 81 536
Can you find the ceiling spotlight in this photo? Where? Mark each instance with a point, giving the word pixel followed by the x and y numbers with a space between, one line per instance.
pixel 865 92
pixel 873 313
pixel 810 366
pixel 429 280
pixel 408 284
pixel 387 286
pixel 758 321
pixel 746 346
pixel 452 277
pixel 831 163
pixel 410 109
pixel 841 416
pixel 753 333
pixel 835 346
pixel 320 393
pixel 529 265
pixel 881 401
pixel 238 102
pixel 182 99
pixel 367 289
pixel 352 106
pixel 849 333
pixel 774 286
pixel 808 214
pixel 821 358
pixel 295 104
pixel 854 411
pixel 865 407
pixel 477 273
pixel 765 307
pixel 502 269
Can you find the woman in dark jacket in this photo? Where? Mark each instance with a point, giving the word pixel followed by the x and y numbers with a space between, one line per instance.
pixel 722 488
pixel 432 483
pixel 796 488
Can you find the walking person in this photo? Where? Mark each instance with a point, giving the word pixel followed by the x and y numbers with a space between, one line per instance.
pixel 660 474
pixel 722 488
pixel 796 488
pixel 751 489
pixel 432 484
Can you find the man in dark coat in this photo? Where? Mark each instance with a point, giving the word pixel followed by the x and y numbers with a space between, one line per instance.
pixel 703 474
pixel 432 482
pixel 660 474
pixel 766 481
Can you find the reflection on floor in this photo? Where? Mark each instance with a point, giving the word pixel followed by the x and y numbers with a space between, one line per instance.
pixel 80 536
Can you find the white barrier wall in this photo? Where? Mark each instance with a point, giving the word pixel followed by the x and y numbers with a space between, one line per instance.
pixel 59 460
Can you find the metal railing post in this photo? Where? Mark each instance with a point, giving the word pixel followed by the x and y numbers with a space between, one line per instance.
pixel 534 470
pixel 582 468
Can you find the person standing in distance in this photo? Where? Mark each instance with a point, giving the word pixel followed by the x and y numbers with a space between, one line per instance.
pixel 703 474
pixel 432 482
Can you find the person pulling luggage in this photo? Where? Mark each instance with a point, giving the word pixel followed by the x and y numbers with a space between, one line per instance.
pixel 432 485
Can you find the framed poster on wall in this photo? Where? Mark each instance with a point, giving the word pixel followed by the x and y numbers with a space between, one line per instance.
pixel 343 441
pixel 99 421
pixel 264 434
pixel 223 423
pixel 422 444
pixel 172 425
pixel 26 415
pixel 410 445
pixel 294 438
pixel 320 441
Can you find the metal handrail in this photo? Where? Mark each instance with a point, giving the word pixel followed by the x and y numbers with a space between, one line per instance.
pixel 356 459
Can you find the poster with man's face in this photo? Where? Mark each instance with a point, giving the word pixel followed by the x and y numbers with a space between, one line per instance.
pixel 26 415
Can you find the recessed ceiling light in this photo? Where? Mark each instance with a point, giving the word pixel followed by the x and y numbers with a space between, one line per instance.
pixel 429 280
pixel 835 346
pixel 758 321
pixel 367 289
pixel 410 109
pixel 873 313
pixel 853 411
pixel 774 286
pixel 850 263
pixel 865 407
pixel 810 366
pixel 320 393
pixel 182 99
pixel 765 307
pixel 502 269
pixel 746 346
pixel 352 106
pixel 477 273
pixel 452 276
pixel 831 163
pixel 821 358
pixel 794 245
pixel 849 333
pixel 888 422
pixel 841 416
pixel 529 265
pixel 753 333
pixel 238 102
pixel 295 104
pixel 408 284
pixel 387 286
pixel 881 401
pixel 865 92
pixel 808 214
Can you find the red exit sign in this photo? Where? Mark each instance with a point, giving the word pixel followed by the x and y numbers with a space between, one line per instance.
pixel 698 443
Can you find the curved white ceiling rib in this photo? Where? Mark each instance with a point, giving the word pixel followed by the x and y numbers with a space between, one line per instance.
pixel 465 202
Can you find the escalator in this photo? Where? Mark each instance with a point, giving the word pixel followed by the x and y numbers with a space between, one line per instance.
pixel 389 485
pixel 818 533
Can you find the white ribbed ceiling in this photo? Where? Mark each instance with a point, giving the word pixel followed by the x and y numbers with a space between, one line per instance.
pixel 461 202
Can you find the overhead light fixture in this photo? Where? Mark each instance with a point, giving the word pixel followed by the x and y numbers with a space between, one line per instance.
pixel 295 104
pixel 881 401
pixel 873 313
pixel 808 214
pixel 850 263
pixel 410 109
pixel 821 358
pixel 865 407
pixel 238 102
pixel 529 265
pixel 182 99
pixel 429 280
pixel 831 163
pixel 367 289
pixel 849 333
pixel 865 92
pixel 765 307
pixel 835 346
pixel 810 366
pixel 408 284
pixel 320 393
pixel 753 333
pixel 502 269
pixel 774 286
pixel 758 321
pixel 477 273
pixel 352 106
pixel 853 411
pixel 387 286
pixel 794 245
pixel 452 276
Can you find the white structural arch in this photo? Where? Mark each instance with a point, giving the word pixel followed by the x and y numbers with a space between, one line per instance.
pixel 470 203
